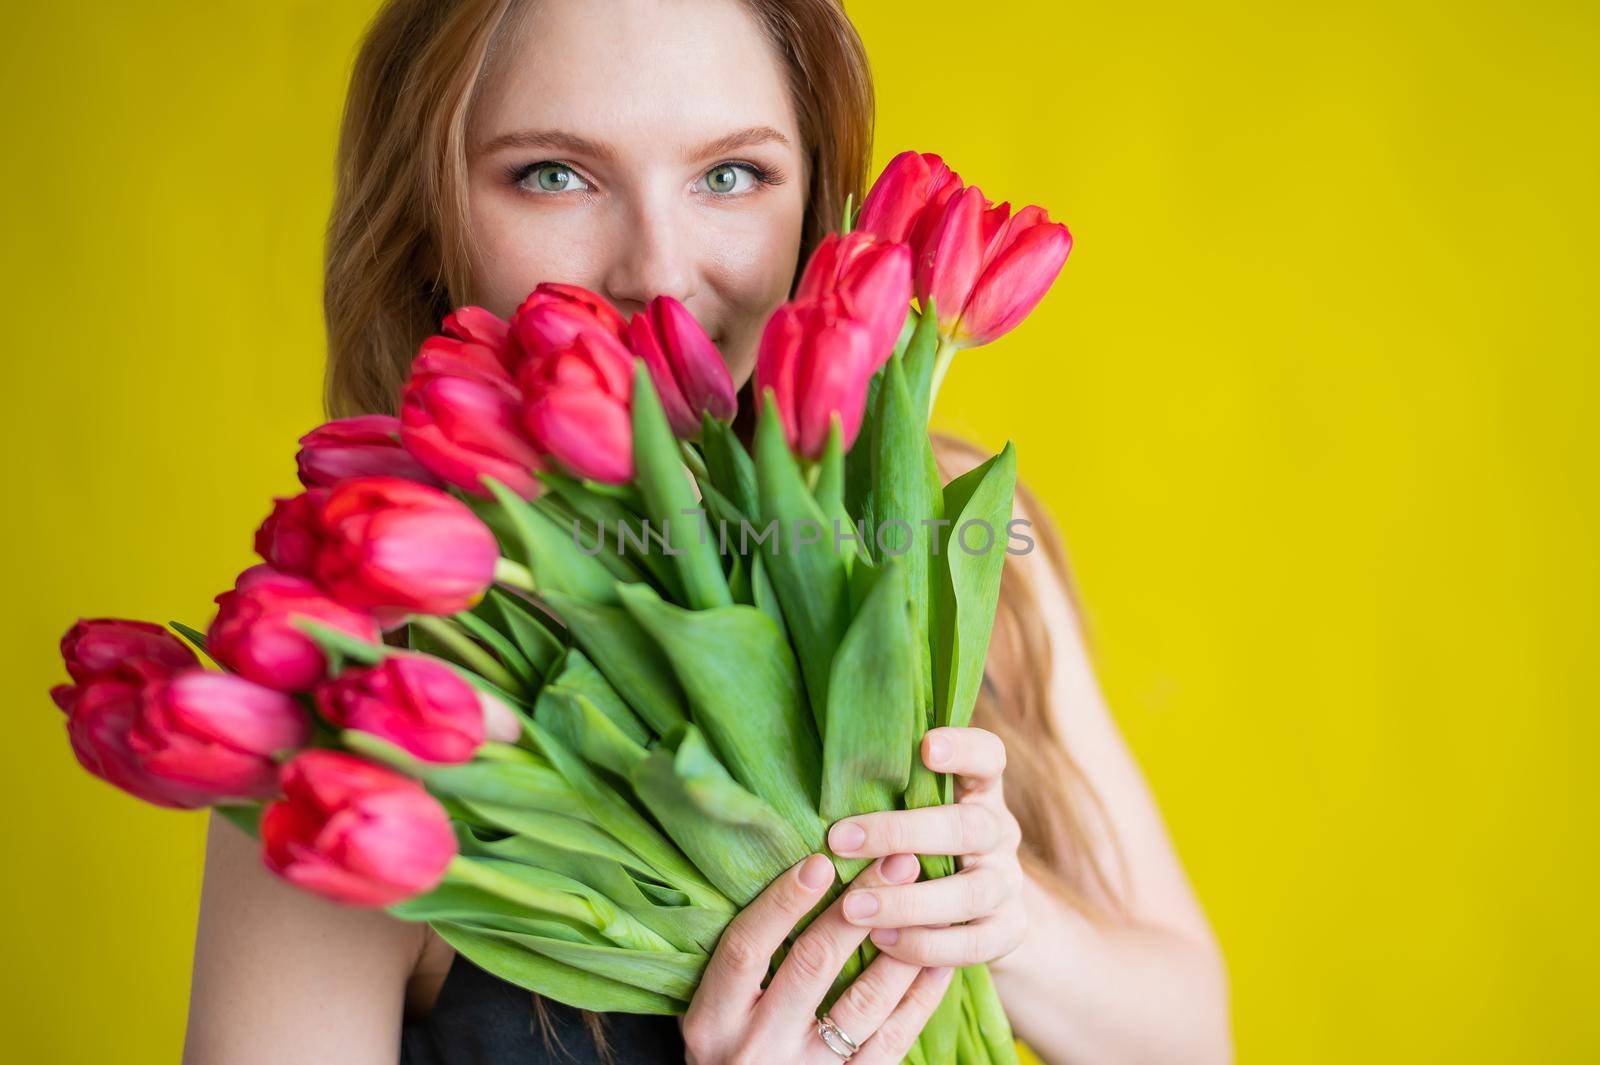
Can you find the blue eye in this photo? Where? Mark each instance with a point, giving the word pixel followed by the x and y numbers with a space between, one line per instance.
pixel 551 177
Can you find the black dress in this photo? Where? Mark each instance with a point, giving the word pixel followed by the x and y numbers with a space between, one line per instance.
pixel 480 1019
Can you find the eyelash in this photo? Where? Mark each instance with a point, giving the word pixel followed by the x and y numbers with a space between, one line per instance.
pixel 765 176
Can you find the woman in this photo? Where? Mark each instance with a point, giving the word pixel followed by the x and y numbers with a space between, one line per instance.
pixel 699 149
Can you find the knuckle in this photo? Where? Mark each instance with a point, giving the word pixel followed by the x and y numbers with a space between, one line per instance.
pixel 696 1034
pixel 738 948
pixel 980 828
pixel 869 995
pixel 981 891
pixel 811 957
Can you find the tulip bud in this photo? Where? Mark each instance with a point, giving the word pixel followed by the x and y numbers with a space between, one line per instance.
pixel 366 445
pixel 576 405
pixel 355 832
pixel 96 646
pixel 254 634
pixel 216 733
pixel 99 715
pixel 554 315
pixel 463 428
pixel 685 366
pixel 385 545
pixel 818 366
pixel 1021 261
pixel 897 207
pixel 863 279
pixel 415 702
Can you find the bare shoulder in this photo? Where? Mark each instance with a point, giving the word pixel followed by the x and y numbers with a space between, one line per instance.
pixel 282 975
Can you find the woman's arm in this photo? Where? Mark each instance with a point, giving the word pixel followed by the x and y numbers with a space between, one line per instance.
pixel 281 975
pixel 1150 987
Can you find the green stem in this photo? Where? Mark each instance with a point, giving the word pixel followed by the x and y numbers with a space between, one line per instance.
pixel 467 651
pixel 942 357
pixel 508 571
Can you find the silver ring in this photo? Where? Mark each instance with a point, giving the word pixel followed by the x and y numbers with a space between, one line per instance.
pixel 835 1038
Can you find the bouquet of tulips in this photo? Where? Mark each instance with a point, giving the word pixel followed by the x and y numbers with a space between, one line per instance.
pixel 558 664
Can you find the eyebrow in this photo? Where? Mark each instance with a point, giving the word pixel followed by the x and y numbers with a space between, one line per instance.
pixel 563 141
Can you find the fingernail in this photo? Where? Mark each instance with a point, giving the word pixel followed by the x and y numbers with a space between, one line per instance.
pixel 816 872
pixel 939 972
pixel 938 750
pixel 860 904
pixel 846 836
pixel 901 867
pixel 885 937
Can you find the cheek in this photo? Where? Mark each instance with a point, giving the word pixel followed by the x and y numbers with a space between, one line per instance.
pixel 752 272
pixel 517 248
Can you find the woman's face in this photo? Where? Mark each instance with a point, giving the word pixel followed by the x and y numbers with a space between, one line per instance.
pixel 641 148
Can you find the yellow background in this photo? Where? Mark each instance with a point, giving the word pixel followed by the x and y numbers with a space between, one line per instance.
pixel 1312 401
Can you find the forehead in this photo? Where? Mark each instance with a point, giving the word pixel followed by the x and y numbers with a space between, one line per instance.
pixel 652 73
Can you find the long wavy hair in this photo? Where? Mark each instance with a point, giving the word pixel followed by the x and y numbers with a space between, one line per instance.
pixel 399 257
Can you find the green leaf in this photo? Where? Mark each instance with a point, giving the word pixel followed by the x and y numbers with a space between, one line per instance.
pixel 629 535
pixel 740 676
pixel 527 626
pixel 196 637
pixel 578 675
pixel 687 927
pixel 628 657
pixel 920 353
pixel 550 554
pixel 657 971
pixel 670 499
pixel 969 589
pixel 740 841
pixel 872 705
pixel 906 500
pixel 575 721
pixel 515 963
pixel 339 646
pixel 612 812
pixel 809 576
pixel 732 471
pixel 829 494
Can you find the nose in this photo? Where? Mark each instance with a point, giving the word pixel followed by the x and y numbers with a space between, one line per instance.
pixel 652 256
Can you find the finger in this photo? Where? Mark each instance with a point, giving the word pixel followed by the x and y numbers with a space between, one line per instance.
pixel 975 755
pixel 733 975
pixel 871 997
pixel 953 828
pixel 973 943
pixel 816 957
pixel 976 891
pixel 894 1038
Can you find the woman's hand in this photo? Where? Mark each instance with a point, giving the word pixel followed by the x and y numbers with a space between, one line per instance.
pixel 732 1020
pixel 921 923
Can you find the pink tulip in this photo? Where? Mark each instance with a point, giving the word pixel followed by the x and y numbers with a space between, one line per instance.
pixel 685 367
pixel 554 314
pixel 818 366
pixel 365 445
pixel 385 545
pixel 254 634
pixel 417 703
pixel 99 715
pixel 863 279
pixel 465 427
pixel 355 832
pixel 96 646
pixel 897 205
pixel 216 733
pixel 577 402
pixel 984 268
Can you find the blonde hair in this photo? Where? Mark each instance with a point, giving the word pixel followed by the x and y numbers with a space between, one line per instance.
pixel 399 259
